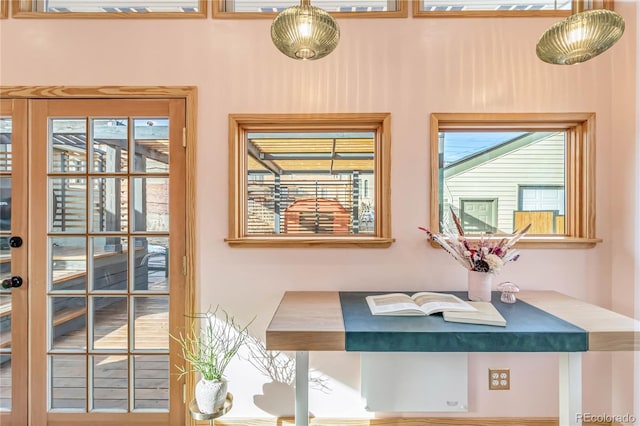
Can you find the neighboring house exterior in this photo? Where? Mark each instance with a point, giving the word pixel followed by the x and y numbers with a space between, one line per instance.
pixel 492 187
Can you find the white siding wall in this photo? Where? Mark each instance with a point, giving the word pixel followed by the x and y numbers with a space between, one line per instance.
pixel 540 163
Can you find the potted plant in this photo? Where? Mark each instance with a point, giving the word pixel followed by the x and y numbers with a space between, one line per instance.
pixel 207 351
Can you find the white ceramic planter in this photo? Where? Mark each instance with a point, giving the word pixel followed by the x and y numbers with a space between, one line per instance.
pixel 480 286
pixel 210 395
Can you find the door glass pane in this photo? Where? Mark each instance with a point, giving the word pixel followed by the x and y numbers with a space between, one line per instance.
pixel 151 382
pixel 150 200
pixel 110 145
pixel 110 323
pixel 151 138
pixel 109 204
pixel 68 382
pixel 109 384
pixel 68 264
pixel 68 147
pixel 6 316
pixel 68 323
pixel 68 204
pixel 118 330
pixel 109 264
pixel 152 266
pixel 5 382
pixel 151 326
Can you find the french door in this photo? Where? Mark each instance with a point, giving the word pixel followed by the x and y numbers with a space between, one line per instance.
pixel 102 266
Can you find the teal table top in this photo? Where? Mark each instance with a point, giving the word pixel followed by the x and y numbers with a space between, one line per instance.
pixel 528 329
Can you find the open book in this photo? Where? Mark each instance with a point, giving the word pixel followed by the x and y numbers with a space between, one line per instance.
pixel 423 303
pixel 485 313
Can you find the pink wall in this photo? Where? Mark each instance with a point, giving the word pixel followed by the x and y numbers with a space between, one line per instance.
pixel 411 68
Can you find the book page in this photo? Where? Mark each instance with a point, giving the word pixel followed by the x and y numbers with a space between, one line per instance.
pixel 396 303
pixel 426 297
pixel 391 299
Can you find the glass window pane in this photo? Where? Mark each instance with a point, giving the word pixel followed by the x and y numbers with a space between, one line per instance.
pixel 109 204
pixel 5 204
pixel 502 181
pixel 310 183
pixel 151 139
pixel 109 385
pixel 494 5
pixel 68 204
pixel 151 328
pixel 68 264
pixel 5 319
pixel 68 145
pixel 131 6
pixel 110 323
pixel 150 199
pixel 5 382
pixel 68 327
pixel 110 271
pixel 110 145
pixel 152 266
pixel 328 5
pixel 151 382
pixel 5 144
pixel 68 384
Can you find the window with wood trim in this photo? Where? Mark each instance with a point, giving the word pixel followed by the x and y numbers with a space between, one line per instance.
pixel 495 8
pixel 339 8
pixel 501 172
pixel 4 9
pixel 303 180
pixel 109 8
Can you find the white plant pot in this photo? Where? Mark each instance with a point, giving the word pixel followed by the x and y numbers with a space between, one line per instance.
pixel 480 286
pixel 210 395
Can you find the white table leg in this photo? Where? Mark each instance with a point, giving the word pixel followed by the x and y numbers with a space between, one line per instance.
pixel 302 389
pixel 570 389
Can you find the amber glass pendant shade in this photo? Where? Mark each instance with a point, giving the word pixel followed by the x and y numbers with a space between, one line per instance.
pixel 580 37
pixel 305 32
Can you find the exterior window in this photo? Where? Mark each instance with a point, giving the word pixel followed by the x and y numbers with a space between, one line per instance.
pixel 298 180
pixel 525 8
pixel 501 172
pixel 108 8
pixel 342 8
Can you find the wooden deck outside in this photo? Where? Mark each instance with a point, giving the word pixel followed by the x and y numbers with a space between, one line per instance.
pixel 148 372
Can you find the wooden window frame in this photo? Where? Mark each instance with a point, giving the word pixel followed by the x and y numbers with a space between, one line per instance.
pixel 4 10
pixel 241 124
pixel 219 12
pixel 24 9
pixel 580 207
pixel 576 5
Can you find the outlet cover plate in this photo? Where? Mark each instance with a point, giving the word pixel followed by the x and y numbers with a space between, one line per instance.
pixel 499 379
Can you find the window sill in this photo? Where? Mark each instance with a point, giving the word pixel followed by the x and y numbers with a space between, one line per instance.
pixel 330 242
pixel 550 242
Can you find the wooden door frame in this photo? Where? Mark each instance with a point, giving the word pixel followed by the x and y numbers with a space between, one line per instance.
pixel 19 297
pixel 189 95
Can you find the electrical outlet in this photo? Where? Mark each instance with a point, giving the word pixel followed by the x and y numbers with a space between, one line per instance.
pixel 499 379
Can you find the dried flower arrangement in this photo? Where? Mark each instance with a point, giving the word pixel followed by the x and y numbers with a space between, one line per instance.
pixel 486 253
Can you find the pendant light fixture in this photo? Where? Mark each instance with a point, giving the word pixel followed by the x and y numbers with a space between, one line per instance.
pixel 581 36
pixel 305 32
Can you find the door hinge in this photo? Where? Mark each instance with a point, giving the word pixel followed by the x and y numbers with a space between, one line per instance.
pixel 184 265
pixel 184 137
